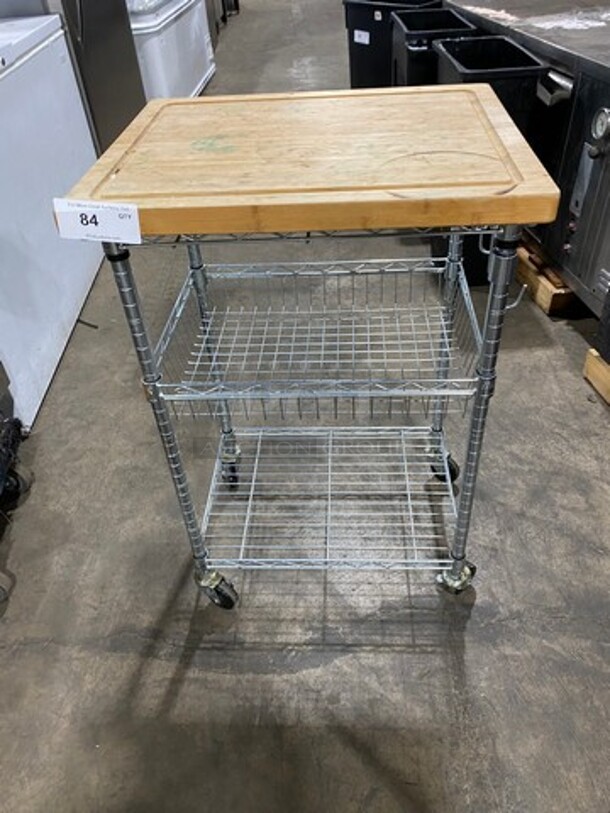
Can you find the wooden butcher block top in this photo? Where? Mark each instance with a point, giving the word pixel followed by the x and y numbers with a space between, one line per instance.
pixel 392 158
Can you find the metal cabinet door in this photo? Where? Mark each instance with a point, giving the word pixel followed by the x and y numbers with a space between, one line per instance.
pixel 106 56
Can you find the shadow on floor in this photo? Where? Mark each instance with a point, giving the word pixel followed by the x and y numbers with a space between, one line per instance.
pixel 282 734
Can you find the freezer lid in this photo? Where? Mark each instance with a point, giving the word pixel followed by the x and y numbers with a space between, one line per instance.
pixel 19 36
pixel 150 22
pixel 146 6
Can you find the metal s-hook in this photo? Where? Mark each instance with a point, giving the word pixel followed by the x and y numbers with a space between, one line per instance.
pixel 482 249
pixel 517 301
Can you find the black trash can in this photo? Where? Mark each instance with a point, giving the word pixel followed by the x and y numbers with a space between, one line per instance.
pixel 369 33
pixel 511 71
pixel 414 61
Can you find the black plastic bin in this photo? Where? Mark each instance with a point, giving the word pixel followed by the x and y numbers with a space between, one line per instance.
pixel 369 33
pixel 414 61
pixel 511 71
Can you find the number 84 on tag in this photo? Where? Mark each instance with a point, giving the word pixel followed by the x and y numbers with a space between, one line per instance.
pixel 101 222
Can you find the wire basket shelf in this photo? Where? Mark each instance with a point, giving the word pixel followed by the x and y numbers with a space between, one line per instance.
pixel 320 498
pixel 377 329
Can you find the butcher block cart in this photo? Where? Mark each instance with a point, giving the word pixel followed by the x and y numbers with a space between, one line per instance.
pixel 309 490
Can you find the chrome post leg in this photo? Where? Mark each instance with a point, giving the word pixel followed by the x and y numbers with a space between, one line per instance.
pixel 118 258
pixel 502 263
pixel 230 453
pixel 439 406
pixel 450 279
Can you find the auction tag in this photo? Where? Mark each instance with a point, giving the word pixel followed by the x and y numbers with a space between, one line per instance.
pixel 102 222
pixel 362 37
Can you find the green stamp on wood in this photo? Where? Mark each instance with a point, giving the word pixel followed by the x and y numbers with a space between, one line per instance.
pixel 213 144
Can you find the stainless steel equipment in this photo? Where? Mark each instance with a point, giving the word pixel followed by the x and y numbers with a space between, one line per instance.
pixel 570 132
pixel 104 54
pixel 21 8
pixel 217 17
pixel 579 240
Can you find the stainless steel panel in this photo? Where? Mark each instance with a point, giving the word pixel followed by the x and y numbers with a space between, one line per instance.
pixel 105 53
pixel 22 8
pixel 595 251
pixel 213 20
pixel 579 239
pixel 583 178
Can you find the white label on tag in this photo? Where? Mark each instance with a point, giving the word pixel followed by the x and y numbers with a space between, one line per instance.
pixel 362 37
pixel 102 222
pixel 378 16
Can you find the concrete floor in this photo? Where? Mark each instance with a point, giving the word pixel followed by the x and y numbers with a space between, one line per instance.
pixel 121 691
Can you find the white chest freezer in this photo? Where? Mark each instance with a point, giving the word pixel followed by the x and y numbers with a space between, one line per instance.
pixel 174 46
pixel 45 146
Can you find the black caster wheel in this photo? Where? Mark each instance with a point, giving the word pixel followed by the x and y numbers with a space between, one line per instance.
pixel 439 471
pixel 230 476
pixel 220 591
pixel 15 486
pixel 6 587
pixel 224 595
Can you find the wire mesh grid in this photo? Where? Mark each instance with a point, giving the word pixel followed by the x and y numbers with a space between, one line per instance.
pixel 309 236
pixel 332 412
pixel 376 329
pixel 331 498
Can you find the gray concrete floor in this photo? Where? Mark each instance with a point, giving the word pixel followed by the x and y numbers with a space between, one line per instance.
pixel 121 691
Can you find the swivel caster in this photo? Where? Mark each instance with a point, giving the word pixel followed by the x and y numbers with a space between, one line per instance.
pixel 15 486
pixel 229 459
pixel 230 476
pixel 220 591
pixel 457 584
pixel 439 470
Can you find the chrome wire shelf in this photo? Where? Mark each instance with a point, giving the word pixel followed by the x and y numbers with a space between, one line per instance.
pixel 330 411
pixel 301 236
pixel 371 329
pixel 380 339
pixel 321 498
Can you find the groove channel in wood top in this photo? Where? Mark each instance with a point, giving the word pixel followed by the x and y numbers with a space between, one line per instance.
pixel 407 157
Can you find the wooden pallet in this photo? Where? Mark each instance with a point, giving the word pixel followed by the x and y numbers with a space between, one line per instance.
pixel 597 373
pixel 544 284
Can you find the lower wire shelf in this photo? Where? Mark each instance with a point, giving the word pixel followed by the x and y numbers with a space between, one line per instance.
pixel 332 498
